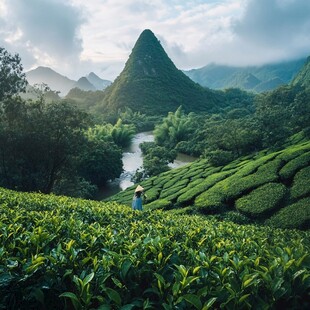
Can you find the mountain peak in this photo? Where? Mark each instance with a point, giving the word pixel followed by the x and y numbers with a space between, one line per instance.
pixel 151 83
pixel 148 56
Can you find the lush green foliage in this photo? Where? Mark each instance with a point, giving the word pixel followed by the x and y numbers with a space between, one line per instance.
pixel 155 160
pixel 44 148
pixel 264 199
pixel 121 134
pixel 38 142
pixel 301 186
pixel 294 215
pixel 12 78
pixel 173 129
pixel 257 187
pixel 62 253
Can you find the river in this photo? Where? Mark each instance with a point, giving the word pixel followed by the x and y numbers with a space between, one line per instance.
pixel 132 160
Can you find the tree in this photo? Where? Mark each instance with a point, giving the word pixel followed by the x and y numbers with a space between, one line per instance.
pixel 156 158
pixel 38 142
pixel 100 161
pixel 174 128
pixel 12 78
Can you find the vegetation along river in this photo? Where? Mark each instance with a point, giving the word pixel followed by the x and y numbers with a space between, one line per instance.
pixel 132 160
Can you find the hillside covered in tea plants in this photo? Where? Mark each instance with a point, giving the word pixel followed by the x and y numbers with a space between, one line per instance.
pixel 66 253
pixel 268 188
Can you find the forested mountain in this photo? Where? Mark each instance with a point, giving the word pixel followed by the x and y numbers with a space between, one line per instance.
pixel 303 76
pixel 151 83
pixel 257 79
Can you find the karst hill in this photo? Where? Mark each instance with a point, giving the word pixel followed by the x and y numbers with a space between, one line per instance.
pixel 151 83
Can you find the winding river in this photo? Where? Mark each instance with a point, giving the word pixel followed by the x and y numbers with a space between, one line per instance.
pixel 132 160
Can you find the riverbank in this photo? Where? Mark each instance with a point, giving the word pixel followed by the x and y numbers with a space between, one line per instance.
pixel 133 160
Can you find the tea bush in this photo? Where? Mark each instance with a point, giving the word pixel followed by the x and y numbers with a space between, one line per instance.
pixel 211 190
pixel 262 200
pixel 301 186
pixel 65 253
pixel 289 170
pixel 296 215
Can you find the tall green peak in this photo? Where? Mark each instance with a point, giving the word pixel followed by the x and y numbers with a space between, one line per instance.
pixel 152 84
pixel 148 58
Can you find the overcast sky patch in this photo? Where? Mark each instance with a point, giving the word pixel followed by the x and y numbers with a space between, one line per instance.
pixel 75 37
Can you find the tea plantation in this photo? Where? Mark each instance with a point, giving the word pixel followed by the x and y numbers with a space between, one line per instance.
pixel 272 189
pixel 65 253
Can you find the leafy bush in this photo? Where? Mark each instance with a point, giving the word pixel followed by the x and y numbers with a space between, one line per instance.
pixel 59 252
pixel 301 187
pixel 219 157
pixel 234 216
pixel 188 196
pixel 289 170
pixel 296 215
pixel 158 204
pixel 262 200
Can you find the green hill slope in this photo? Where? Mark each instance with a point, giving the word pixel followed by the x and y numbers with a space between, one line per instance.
pixel 303 77
pixel 150 83
pixel 62 253
pixel 272 189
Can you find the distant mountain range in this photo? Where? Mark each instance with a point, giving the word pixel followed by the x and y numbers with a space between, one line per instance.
pixel 256 79
pixel 58 82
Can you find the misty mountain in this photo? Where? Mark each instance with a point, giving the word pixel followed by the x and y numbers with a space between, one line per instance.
pixel 254 78
pixel 54 80
pixel 151 83
pixel 58 82
pixel 84 84
pixel 99 83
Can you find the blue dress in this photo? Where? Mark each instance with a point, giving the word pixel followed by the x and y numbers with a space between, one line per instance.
pixel 137 203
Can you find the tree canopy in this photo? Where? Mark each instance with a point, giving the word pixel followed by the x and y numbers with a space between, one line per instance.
pixel 12 78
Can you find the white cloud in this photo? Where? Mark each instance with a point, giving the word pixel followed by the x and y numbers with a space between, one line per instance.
pixel 78 36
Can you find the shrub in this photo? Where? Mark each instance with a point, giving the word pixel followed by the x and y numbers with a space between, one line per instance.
pixel 289 170
pixel 262 200
pixel 211 203
pixel 253 165
pixel 176 182
pixel 157 204
pixel 152 194
pixel 301 186
pixel 64 253
pixel 234 216
pixel 236 187
pixel 188 196
pixel 171 191
pixel 219 157
pixel 296 215
pixel 294 151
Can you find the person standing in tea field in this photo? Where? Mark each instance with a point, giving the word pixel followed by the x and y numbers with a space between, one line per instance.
pixel 137 198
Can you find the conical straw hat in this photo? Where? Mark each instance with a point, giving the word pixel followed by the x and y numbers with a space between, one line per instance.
pixel 139 189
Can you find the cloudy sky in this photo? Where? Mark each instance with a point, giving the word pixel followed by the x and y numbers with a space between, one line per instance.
pixel 75 37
